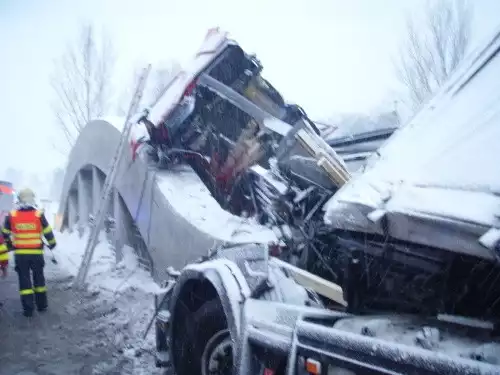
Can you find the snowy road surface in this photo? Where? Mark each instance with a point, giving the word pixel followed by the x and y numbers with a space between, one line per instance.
pixel 97 331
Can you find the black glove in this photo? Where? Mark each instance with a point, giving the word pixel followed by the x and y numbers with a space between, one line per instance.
pixel 52 247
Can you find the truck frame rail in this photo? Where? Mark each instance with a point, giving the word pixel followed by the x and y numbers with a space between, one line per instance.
pixel 308 342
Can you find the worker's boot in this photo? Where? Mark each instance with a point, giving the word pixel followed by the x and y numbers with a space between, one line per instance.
pixel 41 301
pixel 28 304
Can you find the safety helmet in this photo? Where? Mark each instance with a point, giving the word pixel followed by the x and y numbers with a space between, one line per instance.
pixel 26 197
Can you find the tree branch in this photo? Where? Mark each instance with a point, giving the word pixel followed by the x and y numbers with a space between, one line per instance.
pixel 433 48
pixel 81 82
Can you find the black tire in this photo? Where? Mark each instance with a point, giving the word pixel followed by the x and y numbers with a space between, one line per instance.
pixel 206 322
pixel 218 355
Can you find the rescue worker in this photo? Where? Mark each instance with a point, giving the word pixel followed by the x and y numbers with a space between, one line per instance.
pixel 4 259
pixel 23 231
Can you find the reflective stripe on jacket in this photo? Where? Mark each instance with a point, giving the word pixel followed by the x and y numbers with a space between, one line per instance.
pixel 26 232
pixel 4 256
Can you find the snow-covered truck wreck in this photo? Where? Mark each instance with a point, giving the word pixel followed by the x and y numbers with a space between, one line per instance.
pixel 417 233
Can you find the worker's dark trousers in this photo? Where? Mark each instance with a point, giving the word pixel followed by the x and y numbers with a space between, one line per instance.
pixel 35 292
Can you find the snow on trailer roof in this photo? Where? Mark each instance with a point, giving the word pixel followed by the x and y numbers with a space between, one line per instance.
pixel 437 179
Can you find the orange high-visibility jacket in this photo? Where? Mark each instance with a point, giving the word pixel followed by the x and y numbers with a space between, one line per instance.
pixel 25 228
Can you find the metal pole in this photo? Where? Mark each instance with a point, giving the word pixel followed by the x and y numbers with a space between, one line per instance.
pixel 109 183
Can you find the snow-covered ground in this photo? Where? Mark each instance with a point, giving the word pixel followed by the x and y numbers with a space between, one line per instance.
pixel 96 331
pixel 104 273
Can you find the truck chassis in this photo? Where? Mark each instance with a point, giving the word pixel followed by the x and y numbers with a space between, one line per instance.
pixel 262 158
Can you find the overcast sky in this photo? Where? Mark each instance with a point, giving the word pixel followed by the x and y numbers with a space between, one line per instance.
pixel 329 56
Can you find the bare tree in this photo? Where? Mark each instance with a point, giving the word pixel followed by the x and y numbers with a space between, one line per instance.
pixel 161 76
pixel 433 47
pixel 82 83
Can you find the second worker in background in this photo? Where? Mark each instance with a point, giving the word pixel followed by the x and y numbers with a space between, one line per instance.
pixel 23 231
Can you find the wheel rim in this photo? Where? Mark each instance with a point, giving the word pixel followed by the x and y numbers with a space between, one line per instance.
pixel 217 358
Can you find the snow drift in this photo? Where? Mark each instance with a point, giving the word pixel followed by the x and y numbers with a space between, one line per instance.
pixel 104 273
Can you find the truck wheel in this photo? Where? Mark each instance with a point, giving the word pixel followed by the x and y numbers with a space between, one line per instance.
pixel 209 342
pixel 217 356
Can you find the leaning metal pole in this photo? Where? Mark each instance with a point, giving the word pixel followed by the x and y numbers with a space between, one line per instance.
pixel 110 182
